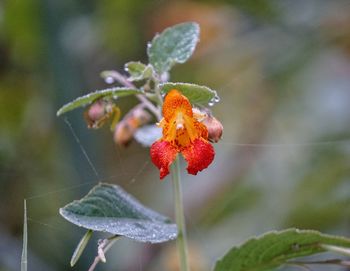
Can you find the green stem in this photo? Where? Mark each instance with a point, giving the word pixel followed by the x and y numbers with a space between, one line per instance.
pixel 24 260
pixel 157 91
pixel 181 241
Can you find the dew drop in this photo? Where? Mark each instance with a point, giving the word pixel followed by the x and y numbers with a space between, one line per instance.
pixel 216 99
pixel 211 103
pixel 109 80
pixel 164 77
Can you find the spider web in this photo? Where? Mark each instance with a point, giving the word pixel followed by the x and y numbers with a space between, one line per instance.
pixel 97 176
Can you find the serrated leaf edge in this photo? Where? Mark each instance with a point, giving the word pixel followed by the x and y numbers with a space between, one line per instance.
pixel 276 233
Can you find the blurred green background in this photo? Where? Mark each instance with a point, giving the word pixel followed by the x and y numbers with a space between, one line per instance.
pixel 282 69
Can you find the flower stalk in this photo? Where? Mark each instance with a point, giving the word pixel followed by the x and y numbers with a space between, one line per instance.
pixel 181 241
pixel 126 83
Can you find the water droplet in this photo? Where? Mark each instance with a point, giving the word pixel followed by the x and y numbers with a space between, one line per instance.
pixel 216 99
pixel 109 80
pixel 211 103
pixel 164 77
pixel 149 44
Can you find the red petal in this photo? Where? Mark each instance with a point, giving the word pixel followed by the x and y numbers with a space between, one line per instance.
pixel 163 154
pixel 199 156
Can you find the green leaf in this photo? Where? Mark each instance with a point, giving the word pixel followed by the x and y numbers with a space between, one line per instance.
pixel 196 94
pixel 80 247
pixel 98 94
pixel 109 208
pixel 148 134
pixel 174 45
pixel 273 249
pixel 138 71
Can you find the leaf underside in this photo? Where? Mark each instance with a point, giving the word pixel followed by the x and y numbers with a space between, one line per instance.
pixel 109 208
pixel 98 94
pixel 274 249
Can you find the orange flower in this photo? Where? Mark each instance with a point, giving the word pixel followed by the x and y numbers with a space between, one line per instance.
pixel 183 133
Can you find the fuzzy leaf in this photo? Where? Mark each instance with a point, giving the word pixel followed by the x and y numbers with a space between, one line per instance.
pixel 89 98
pixel 138 71
pixel 196 94
pixel 274 249
pixel 148 134
pixel 109 208
pixel 174 45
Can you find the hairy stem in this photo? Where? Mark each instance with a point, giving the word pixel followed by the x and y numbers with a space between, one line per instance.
pixel 157 91
pixel 181 241
pixel 121 79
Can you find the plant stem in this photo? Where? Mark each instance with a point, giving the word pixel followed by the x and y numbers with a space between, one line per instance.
pixel 181 241
pixel 24 259
pixel 105 245
pixel 157 91
pixel 121 79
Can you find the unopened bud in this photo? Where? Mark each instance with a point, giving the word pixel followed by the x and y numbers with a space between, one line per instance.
pixel 126 128
pixel 214 127
pixel 141 116
pixel 123 133
pixel 97 114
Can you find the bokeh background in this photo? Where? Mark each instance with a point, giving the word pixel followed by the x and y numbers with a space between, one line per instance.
pixel 282 70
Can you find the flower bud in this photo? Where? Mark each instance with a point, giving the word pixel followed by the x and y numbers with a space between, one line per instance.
pixel 123 133
pixel 98 113
pixel 126 128
pixel 214 127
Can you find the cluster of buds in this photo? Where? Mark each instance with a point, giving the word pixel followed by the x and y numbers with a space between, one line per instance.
pixel 102 110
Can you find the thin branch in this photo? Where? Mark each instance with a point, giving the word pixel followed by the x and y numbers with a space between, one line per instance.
pixel 102 248
pixel 330 261
pixel 125 82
